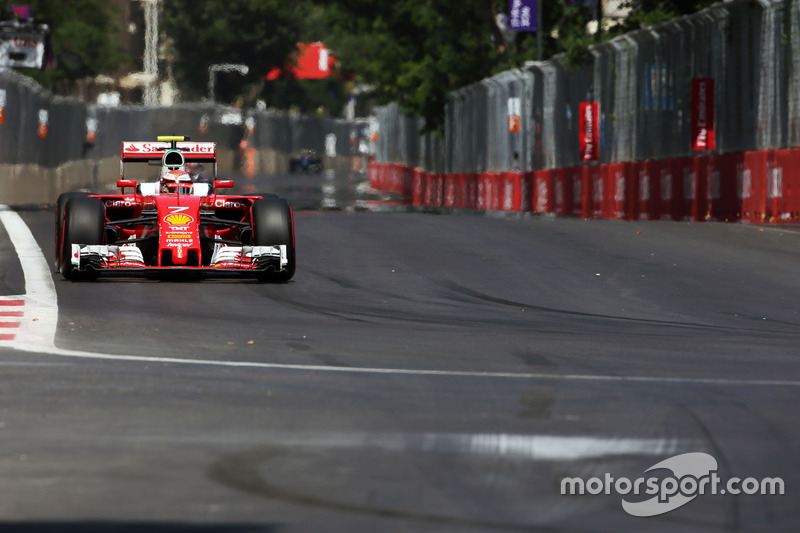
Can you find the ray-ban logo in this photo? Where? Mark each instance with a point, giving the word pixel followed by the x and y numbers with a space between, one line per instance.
pixel 674 483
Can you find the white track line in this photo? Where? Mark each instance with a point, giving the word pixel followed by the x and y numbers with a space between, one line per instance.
pixel 38 329
pixel 511 446
pixel 38 325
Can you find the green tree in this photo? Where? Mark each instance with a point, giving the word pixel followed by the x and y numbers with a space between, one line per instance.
pixel 325 96
pixel 650 12
pixel 415 52
pixel 258 33
pixel 84 39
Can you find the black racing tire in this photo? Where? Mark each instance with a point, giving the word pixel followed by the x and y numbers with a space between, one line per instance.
pixel 273 225
pixel 61 204
pixel 84 223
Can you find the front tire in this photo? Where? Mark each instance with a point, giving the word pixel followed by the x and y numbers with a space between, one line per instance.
pixel 84 223
pixel 61 204
pixel 273 225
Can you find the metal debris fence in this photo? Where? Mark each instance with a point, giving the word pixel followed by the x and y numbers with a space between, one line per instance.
pixel 39 128
pixel 642 82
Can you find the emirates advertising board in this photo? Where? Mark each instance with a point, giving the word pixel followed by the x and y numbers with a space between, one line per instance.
pixel 703 114
pixel 588 130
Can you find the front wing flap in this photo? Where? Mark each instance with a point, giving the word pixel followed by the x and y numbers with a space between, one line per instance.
pixel 128 257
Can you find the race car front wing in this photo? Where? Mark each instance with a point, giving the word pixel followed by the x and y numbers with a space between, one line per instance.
pixel 128 257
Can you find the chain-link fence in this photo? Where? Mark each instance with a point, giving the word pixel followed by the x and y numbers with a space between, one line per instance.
pixel 642 82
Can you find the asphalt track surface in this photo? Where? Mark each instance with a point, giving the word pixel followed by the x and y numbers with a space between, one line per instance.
pixel 420 373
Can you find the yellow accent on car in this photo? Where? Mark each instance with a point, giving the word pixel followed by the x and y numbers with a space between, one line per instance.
pixel 178 219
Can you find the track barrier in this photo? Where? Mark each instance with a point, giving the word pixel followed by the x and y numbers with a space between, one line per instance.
pixel 756 187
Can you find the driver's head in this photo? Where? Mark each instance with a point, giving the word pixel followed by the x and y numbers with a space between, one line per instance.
pixel 174 181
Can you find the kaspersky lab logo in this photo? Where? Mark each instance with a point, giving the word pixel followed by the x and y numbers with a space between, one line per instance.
pixel 692 475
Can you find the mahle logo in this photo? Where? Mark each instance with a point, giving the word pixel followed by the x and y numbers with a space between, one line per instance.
pixel 692 475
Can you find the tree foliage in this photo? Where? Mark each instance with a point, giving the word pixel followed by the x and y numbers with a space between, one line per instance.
pixel 84 39
pixel 258 33
pixel 415 52
pixel 650 12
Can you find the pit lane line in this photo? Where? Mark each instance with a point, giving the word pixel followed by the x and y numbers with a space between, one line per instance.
pixel 37 332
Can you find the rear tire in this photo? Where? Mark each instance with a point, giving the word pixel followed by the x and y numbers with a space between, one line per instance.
pixel 273 225
pixel 84 223
pixel 61 204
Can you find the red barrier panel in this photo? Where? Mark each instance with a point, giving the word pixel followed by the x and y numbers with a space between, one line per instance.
pixel 783 186
pixel 688 170
pixel 462 194
pixel 701 205
pixel 561 205
pixel 484 193
pixel 619 197
pixel 594 185
pixel 472 190
pixel 791 189
pixel 428 187
pixel 480 187
pixel 390 175
pixel 757 187
pixel 500 184
pixel 573 191
pixel 753 188
pixel 669 190
pixel 493 191
pixel 372 176
pixel 406 181
pixel 543 197
pixel 646 174
pixel 526 192
pixel 721 202
pixel 437 192
pixel 450 190
pixel 417 188
pixel 510 190
pixel 585 191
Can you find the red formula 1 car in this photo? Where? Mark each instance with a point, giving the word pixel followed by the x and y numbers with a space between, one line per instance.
pixel 174 221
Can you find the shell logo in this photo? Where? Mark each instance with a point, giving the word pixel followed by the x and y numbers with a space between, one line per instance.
pixel 178 219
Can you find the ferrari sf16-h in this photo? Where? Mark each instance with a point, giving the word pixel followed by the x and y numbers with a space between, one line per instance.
pixel 174 221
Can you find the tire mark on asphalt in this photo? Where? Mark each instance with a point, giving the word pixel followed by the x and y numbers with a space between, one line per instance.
pixel 466 291
pixel 240 471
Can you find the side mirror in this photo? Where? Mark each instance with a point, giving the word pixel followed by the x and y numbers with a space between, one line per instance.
pixel 123 184
pixel 223 184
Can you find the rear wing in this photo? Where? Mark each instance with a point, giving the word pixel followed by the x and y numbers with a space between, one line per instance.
pixel 148 151
pixel 193 152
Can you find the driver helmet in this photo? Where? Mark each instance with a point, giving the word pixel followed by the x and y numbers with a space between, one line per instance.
pixel 175 178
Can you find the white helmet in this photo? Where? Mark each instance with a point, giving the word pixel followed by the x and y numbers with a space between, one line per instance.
pixel 175 181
